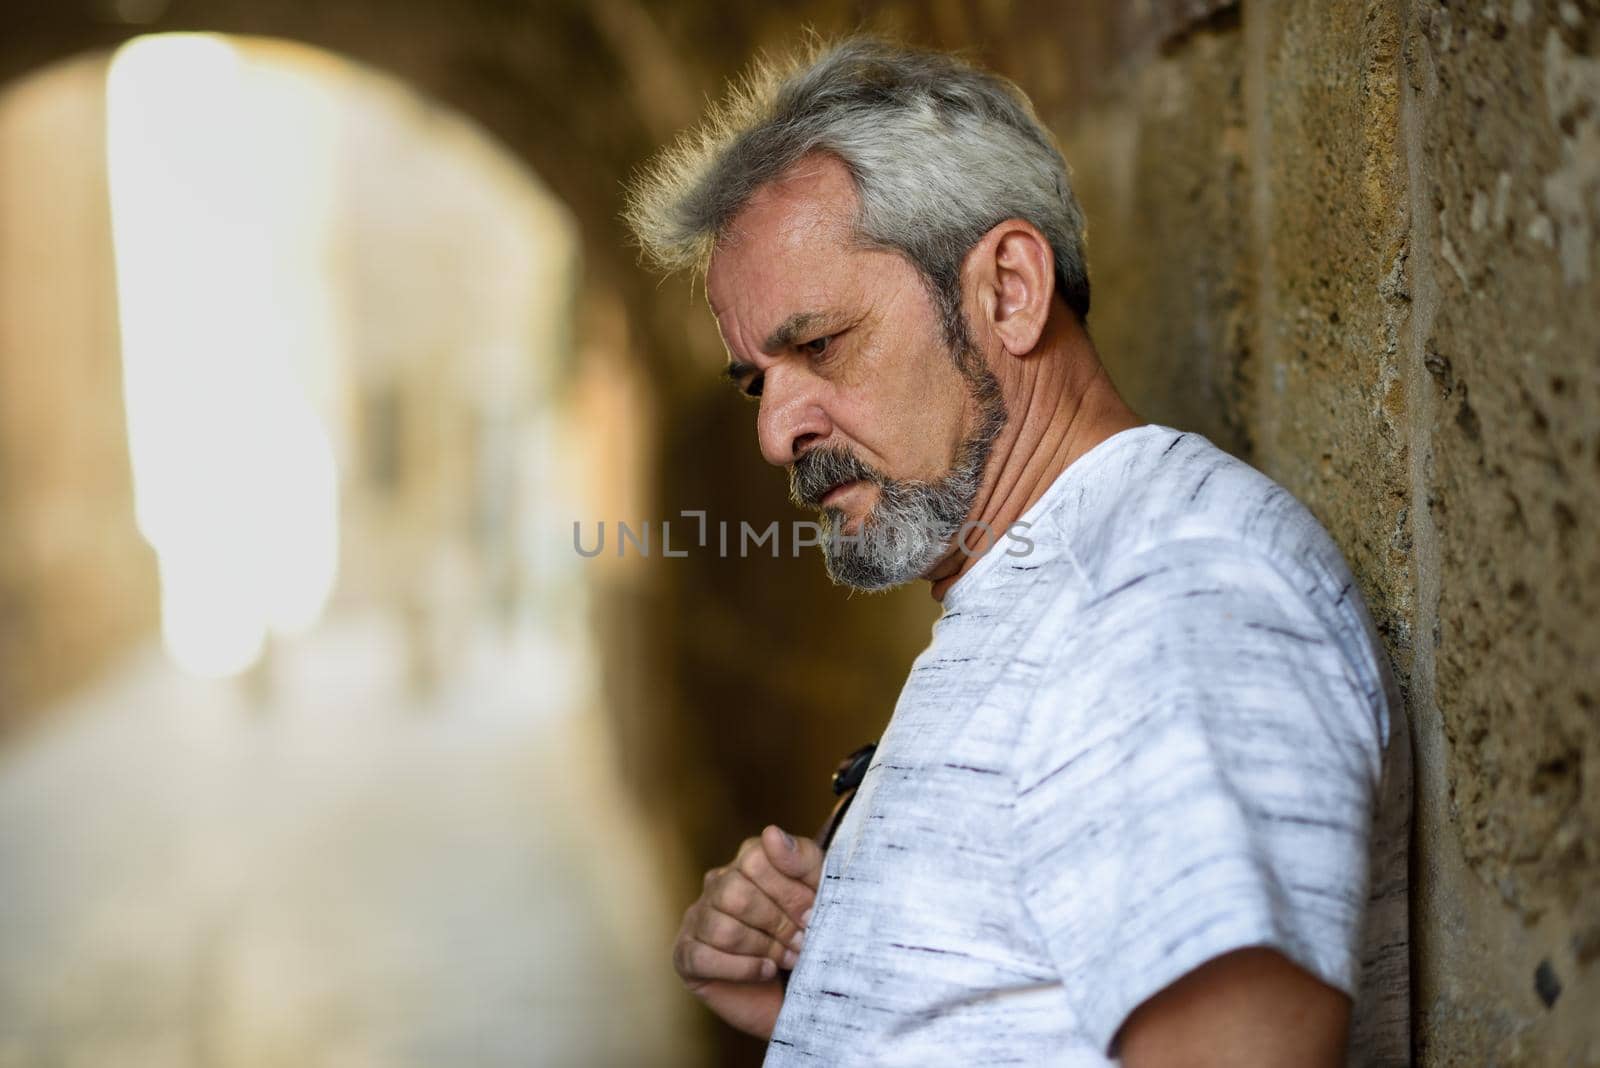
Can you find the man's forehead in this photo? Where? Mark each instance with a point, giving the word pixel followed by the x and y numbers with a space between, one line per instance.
pixel 786 248
pixel 815 197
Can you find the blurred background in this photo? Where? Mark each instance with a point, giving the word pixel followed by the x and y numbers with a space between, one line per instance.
pixel 321 743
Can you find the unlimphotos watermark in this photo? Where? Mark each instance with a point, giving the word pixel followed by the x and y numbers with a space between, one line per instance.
pixel 972 538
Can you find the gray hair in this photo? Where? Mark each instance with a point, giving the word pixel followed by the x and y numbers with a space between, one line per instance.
pixel 939 151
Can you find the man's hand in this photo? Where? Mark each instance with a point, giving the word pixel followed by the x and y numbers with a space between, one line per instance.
pixel 749 922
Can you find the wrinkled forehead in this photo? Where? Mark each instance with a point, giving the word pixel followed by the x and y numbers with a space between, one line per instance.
pixel 791 246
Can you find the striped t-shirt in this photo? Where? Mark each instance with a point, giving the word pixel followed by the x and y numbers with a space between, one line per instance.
pixel 1166 732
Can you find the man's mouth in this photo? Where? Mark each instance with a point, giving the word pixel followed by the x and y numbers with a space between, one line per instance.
pixel 834 490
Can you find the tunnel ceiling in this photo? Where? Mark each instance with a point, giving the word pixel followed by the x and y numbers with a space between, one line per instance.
pixel 584 92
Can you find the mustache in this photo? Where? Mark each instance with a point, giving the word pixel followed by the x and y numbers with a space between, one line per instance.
pixel 821 469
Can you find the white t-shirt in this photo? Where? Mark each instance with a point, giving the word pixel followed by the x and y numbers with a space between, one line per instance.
pixel 1161 735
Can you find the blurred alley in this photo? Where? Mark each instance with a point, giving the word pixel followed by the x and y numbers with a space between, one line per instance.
pixel 315 869
pixel 305 760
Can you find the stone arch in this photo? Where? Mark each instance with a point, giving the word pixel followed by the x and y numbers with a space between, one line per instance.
pixel 126 593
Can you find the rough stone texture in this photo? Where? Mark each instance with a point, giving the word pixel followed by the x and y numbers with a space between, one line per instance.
pixel 1518 446
pixel 1161 173
pixel 1508 141
pixel 1329 222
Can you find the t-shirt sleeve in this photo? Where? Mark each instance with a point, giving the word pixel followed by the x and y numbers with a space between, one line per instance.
pixel 1196 775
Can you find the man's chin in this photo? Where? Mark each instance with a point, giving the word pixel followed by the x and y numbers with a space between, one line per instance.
pixel 846 566
pixel 842 521
pixel 843 573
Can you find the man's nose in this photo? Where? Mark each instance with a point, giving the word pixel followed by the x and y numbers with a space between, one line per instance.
pixel 791 419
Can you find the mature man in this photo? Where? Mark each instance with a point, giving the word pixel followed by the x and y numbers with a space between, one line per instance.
pixel 1136 791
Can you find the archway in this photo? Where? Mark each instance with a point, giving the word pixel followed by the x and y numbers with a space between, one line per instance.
pixel 377 836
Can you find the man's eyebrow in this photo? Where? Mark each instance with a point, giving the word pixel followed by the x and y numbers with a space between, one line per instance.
pixel 789 332
pixel 792 330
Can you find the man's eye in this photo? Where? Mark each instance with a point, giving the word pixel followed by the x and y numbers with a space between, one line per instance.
pixel 816 346
pixel 752 388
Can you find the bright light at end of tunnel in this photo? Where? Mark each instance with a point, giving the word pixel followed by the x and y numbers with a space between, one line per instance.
pixel 221 176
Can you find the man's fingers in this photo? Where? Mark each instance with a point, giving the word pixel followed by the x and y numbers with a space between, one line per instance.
pixel 796 856
pixel 741 897
pixel 730 934
pixel 697 961
pixel 792 894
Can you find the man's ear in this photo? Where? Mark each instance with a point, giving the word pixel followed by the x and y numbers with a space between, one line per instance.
pixel 1013 271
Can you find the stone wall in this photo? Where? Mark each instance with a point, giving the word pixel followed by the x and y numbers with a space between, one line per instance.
pixel 1366 230
pixel 1502 139
pixel 77 583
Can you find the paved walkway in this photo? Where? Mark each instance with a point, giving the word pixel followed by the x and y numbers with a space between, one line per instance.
pixel 329 874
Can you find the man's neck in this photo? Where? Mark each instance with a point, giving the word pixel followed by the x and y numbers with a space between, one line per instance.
pixel 1060 403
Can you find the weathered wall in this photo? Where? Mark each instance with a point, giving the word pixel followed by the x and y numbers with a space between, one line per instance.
pixel 77 583
pixel 1416 187
pixel 1351 240
pixel 1503 130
